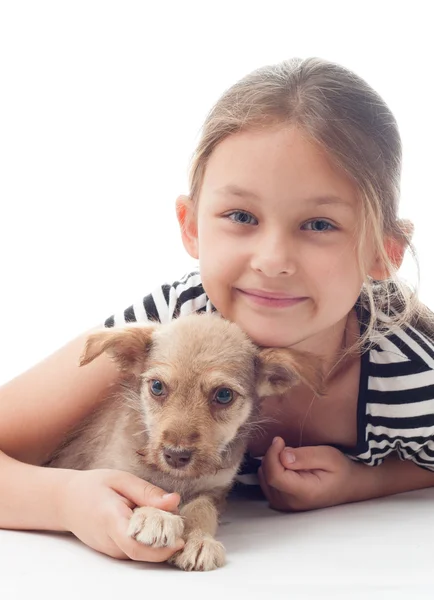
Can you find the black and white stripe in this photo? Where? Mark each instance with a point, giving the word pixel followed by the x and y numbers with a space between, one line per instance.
pixel 166 302
pixel 397 406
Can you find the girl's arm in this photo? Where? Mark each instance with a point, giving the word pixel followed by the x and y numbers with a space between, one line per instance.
pixel 39 406
pixel 393 476
pixel 36 410
pixel 30 497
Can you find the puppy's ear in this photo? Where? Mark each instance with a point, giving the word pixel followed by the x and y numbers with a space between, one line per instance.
pixel 127 346
pixel 280 369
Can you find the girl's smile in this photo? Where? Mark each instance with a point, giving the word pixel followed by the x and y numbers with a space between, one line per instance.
pixel 270 299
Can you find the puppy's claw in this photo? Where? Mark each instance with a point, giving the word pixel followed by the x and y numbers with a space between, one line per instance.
pixel 155 527
pixel 200 553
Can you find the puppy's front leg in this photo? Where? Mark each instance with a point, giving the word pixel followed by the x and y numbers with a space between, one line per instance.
pixel 201 551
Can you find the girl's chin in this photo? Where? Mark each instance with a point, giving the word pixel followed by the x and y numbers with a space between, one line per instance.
pixel 267 339
pixel 267 334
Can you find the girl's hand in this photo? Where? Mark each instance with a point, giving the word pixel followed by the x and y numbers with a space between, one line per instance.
pixel 96 507
pixel 319 476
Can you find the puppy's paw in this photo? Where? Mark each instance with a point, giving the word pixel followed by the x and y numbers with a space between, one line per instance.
pixel 200 553
pixel 155 527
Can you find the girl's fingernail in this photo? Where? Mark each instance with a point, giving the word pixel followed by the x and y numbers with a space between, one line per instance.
pixel 275 440
pixel 167 495
pixel 289 456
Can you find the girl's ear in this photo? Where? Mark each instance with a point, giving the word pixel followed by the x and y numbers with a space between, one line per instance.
pixel 185 213
pixel 395 250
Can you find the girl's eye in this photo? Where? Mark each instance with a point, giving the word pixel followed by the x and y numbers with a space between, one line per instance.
pixel 242 217
pixel 156 387
pixel 319 225
pixel 223 396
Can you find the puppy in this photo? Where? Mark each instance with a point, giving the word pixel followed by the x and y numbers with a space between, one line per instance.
pixel 179 417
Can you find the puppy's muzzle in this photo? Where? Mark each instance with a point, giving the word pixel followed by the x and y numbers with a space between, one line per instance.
pixel 177 458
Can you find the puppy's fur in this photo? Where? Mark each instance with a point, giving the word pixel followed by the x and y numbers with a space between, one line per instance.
pixel 179 417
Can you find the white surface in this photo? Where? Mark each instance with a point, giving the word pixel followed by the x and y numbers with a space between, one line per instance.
pixel 377 549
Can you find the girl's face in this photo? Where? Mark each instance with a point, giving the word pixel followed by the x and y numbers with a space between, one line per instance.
pixel 275 235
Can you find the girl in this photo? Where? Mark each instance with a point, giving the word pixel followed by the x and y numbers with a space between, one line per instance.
pixel 292 214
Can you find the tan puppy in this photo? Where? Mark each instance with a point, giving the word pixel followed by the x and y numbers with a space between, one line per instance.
pixel 179 418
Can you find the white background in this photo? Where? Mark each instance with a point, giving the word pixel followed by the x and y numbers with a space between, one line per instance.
pixel 100 107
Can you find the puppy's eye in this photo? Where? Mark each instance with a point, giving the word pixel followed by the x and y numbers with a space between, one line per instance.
pixel 224 396
pixel 156 387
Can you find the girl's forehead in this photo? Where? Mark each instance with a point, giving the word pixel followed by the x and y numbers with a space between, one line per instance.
pixel 275 160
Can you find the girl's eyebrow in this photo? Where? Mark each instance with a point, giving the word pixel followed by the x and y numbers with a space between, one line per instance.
pixel 235 190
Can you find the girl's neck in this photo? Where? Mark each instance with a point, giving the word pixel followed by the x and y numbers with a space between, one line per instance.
pixel 330 346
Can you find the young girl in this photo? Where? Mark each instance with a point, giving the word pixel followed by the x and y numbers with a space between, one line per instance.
pixel 292 214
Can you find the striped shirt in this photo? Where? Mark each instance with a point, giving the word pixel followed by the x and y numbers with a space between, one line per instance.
pixel 396 391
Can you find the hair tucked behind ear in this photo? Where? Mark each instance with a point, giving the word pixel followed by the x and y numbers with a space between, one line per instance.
pixel 346 117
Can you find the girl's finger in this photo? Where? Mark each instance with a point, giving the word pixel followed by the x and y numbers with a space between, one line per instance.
pixel 271 464
pixel 275 474
pixel 276 499
pixel 308 458
pixel 277 477
pixel 143 493
pixel 287 482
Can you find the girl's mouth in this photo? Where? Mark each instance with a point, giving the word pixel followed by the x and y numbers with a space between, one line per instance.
pixel 271 299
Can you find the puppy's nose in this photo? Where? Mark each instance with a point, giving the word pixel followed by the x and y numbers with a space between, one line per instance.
pixel 177 458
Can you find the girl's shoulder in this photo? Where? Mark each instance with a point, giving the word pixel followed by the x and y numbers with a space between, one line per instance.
pixel 398 342
pixel 166 302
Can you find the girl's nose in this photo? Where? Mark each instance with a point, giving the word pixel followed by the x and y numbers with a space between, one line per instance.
pixel 273 257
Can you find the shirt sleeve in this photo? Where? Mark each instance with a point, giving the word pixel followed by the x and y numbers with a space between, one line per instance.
pixel 419 451
pixel 166 302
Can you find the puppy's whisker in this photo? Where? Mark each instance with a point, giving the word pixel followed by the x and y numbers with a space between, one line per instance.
pixel 267 420
pixel 258 426
pixel 140 433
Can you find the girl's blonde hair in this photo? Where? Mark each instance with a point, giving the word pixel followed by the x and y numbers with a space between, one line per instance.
pixel 351 122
